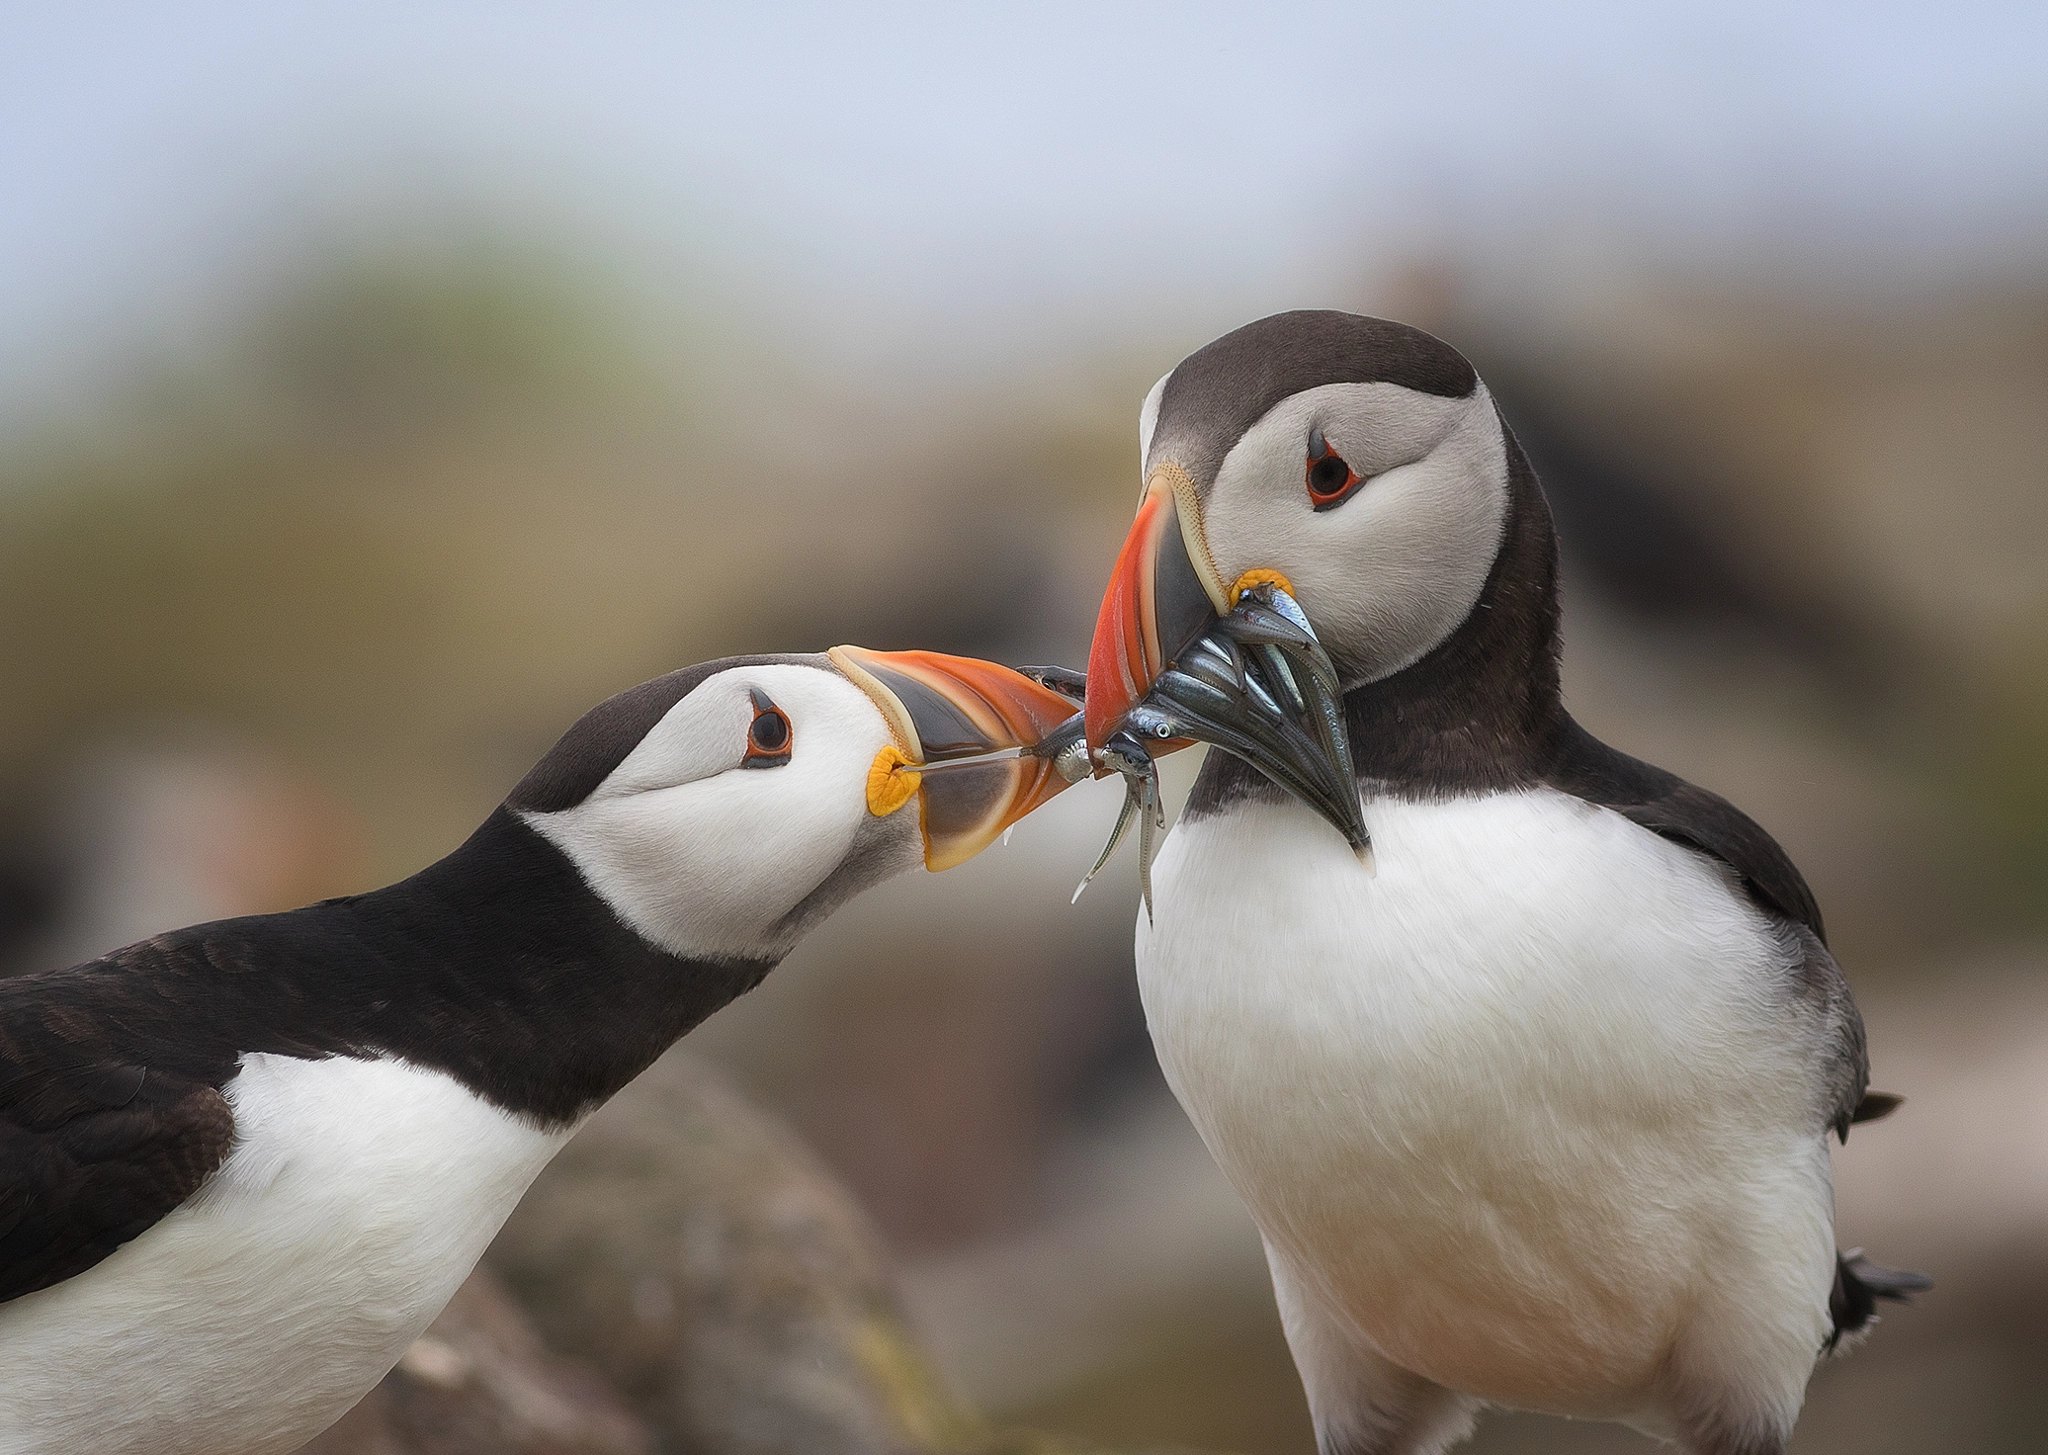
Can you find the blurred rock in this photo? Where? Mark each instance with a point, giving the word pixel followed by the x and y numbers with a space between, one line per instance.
pixel 478 1382
pixel 948 1071
pixel 1146 1254
pixel 694 1251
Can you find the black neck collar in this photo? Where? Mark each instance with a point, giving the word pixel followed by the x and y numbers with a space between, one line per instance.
pixel 1482 711
pixel 497 965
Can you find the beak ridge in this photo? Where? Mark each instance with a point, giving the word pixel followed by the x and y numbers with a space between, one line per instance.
pixel 1163 591
pixel 971 733
pixel 1177 657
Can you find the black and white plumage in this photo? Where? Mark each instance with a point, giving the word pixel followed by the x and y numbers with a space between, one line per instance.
pixel 1530 1094
pixel 242 1165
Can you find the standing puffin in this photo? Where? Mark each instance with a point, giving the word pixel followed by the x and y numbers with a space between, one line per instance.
pixel 1522 1053
pixel 242 1165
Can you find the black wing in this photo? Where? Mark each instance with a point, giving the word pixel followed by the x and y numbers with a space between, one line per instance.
pixel 1666 804
pixel 93 1149
pixel 1669 806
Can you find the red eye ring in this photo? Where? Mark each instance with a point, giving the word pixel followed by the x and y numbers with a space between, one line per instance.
pixel 1329 479
pixel 769 736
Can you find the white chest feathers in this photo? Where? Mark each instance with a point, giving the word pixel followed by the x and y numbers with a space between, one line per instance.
pixel 1510 1110
pixel 358 1196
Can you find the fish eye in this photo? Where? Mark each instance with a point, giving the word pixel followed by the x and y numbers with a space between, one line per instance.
pixel 768 736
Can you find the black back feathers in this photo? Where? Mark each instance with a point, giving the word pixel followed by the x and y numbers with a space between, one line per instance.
pixel 1225 387
pixel 600 740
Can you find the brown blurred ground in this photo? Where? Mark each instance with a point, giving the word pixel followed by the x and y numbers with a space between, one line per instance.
pixel 287 614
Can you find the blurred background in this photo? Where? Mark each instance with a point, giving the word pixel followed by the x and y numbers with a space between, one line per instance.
pixel 382 385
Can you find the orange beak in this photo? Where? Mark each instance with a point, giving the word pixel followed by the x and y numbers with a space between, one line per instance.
pixel 1239 666
pixel 976 743
pixel 1163 593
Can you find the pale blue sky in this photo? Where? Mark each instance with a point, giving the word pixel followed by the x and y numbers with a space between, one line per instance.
pixel 1015 166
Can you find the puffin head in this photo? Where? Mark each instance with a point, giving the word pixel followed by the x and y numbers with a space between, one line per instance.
pixel 1325 497
pixel 724 809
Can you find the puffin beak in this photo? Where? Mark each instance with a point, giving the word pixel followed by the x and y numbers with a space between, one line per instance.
pixel 1178 657
pixel 1163 593
pixel 978 745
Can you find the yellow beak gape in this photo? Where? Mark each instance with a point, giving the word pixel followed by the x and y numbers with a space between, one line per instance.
pixel 892 781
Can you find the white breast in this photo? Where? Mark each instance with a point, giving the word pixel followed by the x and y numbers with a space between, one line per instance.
pixel 358 1196
pixel 1512 1109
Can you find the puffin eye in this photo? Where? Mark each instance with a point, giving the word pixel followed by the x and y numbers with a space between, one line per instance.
pixel 1330 479
pixel 768 737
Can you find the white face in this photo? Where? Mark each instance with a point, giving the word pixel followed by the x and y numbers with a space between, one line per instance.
pixel 1148 419
pixel 1391 570
pixel 705 856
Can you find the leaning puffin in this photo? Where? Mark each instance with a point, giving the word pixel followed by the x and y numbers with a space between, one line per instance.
pixel 242 1165
pixel 1522 1053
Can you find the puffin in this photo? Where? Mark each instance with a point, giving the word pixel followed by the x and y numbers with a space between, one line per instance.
pixel 1522 1053
pixel 244 1164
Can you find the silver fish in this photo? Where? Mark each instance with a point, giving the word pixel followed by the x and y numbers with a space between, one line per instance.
pixel 1260 686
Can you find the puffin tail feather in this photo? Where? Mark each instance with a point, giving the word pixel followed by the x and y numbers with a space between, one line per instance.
pixel 1859 1284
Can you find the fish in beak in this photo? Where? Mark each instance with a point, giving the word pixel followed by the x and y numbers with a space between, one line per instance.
pixel 976 744
pixel 1179 657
